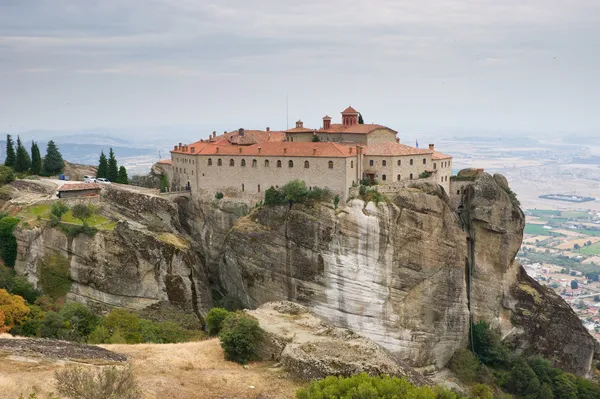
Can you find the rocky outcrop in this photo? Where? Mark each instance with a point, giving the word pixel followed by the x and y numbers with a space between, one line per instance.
pixel 127 267
pixel 311 349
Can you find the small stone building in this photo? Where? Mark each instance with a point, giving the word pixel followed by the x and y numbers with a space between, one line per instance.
pixel 79 190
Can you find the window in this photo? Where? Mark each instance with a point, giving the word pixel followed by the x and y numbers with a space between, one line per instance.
pixel 290 163
pixel 192 172
pixel 446 178
pixel 266 163
pixel 259 188
pixel 231 162
pixel 411 176
pixel 399 177
pixel 411 161
pixel 371 162
pixel 209 161
pixel 306 165
pixel 434 165
pixel 383 177
pixel 243 162
pixel 254 164
pixel 242 186
pixel 442 179
pixel 351 164
pixel 219 162
pixel 330 164
pixel 424 161
pixel 278 163
pixel 457 192
pixel 399 163
pixel 383 163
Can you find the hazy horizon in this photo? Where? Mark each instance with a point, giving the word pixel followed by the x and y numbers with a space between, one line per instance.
pixel 523 66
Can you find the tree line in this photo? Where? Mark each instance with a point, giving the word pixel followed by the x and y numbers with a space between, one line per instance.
pixel 109 169
pixel 19 160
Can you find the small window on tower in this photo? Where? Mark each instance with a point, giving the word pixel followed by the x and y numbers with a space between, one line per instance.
pixel 371 162
pixel 330 164
pixel 399 162
pixel 231 162
pixel 266 163
pixel 254 163
pixel 306 164
pixel 290 163
pixel 278 163
pixel 209 161
pixel 243 162
pixel 383 163
pixel 219 162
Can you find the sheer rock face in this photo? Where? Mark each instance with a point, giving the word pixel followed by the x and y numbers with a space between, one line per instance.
pixel 127 267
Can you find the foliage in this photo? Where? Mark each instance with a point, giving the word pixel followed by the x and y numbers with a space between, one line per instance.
pixel 574 284
pixel 361 121
pixel 109 382
pixel 219 195
pixel 102 166
pixel 6 175
pixel 54 275
pixel 374 195
pixel 122 176
pixel 465 365
pixel 336 201
pixel 32 324
pixel 53 161
pixel 52 324
pixel 23 160
pixel 164 184
pixel 36 159
pixel 362 190
pixel 14 310
pixel 487 344
pixel 295 191
pixel 80 320
pixel 17 285
pixel 58 209
pixel 481 391
pixel 274 196
pixel 315 138
pixel 424 175
pixel 100 335
pixel 82 212
pixel 363 386
pixel 367 182
pixel 8 242
pixel 214 320
pixel 112 171
pixel 239 336
pixel 126 323
pixel 10 152
pixel 512 195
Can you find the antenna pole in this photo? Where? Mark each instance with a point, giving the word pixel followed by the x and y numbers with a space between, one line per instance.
pixel 287 125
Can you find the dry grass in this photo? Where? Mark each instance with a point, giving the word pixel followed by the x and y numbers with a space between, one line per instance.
pixel 569 244
pixel 174 240
pixel 190 370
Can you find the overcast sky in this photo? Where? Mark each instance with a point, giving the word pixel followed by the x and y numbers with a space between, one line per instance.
pixel 522 65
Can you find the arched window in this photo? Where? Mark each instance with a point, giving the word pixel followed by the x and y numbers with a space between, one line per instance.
pixel 383 177
pixel 290 163
pixel 219 162
pixel 351 164
pixel 371 162
pixel 231 162
pixel 399 162
pixel 306 164
pixel 278 163
pixel 411 161
pixel 209 161
pixel 383 163
pixel 330 164
pixel 243 162
pixel 411 176
pixel 266 163
pixel 254 164
pixel 399 177
pixel 424 161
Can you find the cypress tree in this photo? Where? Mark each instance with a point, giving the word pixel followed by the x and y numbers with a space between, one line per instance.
pixel 122 177
pixel 102 166
pixel 53 162
pixel 112 172
pixel 36 159
pixel 23 160
pixel 10 152
pixel 360 119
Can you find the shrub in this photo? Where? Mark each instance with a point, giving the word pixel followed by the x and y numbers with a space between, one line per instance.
pixel 6 175
pixel 80 319
pixel 214 320
pixel 32 324
pixel 219 195
pixel 55 279
pixel 100 335
pixel 295 191
pixel 487 344
pixel 481 391
pixel 82 212
pixel 52 325
pixel 374 195
pixel 8 242
pixel 111 382
pixel 362 190
pixel 239 337
pixel 318 194
pixel 363 386
pixel 274 197
pixel 465 365
pixel 424 175
pixel 336 201
pixel 13 309
pixel 58 209
pixel 124 323
pixel 17 285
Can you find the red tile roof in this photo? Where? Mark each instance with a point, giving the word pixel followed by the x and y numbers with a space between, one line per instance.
pixel 282 149
pixel 393 149
pixel 349 110
pixel 80 186
pixel 439 155
pixel 327 118
pixel 300 130
pixel 164 162
pixel 354 129
pixel 257 136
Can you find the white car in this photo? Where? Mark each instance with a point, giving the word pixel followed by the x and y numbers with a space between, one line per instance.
pixel 102 180
pixel 89 179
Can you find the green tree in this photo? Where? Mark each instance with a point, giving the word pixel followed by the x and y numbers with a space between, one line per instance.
pixel 487 344
pixel 273 196
pixel 102 166
pixel 361 121
pixel 82 212
pixel 53 161
pixel 58 209
pixel 51 325
pixel 576 246
pixel 54 275
pixel 214 320
pixel 122 176
pixel 523 381
pixel 112 171
pixel 36 159
pixel 164 184
pixel 564 387
pixel 239 337
pixel 10 152
pixel 574 284
pixel 315 138
pixel 8 242
pixel 125 323
pixel 6 175
pixel 80 319
pixel 295 191
pixel 100 335
pixel 23 160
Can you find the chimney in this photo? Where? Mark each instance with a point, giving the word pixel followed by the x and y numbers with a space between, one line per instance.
pixel 431 147
pixel 179 147
pixel 314 151
pixel 358 149
pixel 259 149
pixel 398 140
pixel 214 134
pixel 240 150
pixel 193 148
pixel 299 124
pixel 174 148
pixel 241 132
pixel 350 150
pixel 285 150
pixel 217 150
pixel 326 122
pixel 268 129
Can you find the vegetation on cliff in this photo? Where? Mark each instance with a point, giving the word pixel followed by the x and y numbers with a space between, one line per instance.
pixel 295 191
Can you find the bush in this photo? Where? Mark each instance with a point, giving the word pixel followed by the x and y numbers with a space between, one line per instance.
pixel 374 195
pixel 424 175
pixel 488 346
pixel 295 191
pixel 6 175
pixel 274 197
pixel 58 209
pixel 219 195
pixel 100 335
pixel 8 242
pixel 80 319
pixel 336 201
pixel 239 337
pixel 52 325
pixel 481 391
pixel 214 320
pixel 362 190
pixel 363 386
pixel 465 365
pixel 319 194
pixel 18 285
pixel 111 382
pixel 55 279
pixel 14 310
pixel 126 324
